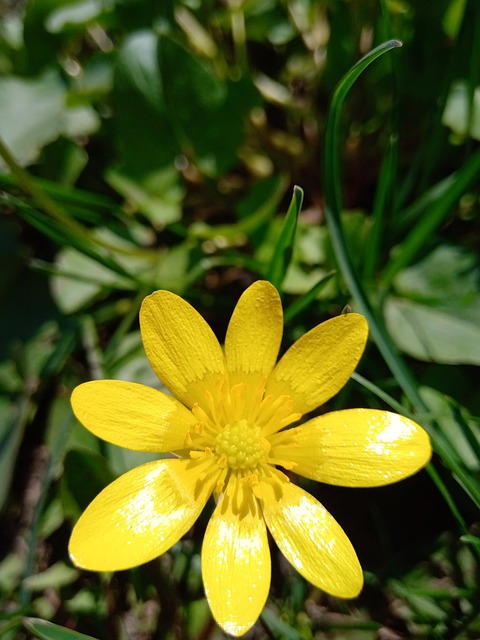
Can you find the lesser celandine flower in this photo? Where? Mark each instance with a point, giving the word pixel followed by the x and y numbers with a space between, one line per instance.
pixel 229 422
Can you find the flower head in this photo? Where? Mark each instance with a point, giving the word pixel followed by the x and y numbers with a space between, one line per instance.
pixel 230 423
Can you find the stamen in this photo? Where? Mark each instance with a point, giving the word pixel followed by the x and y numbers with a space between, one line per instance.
pixel 235 404
pixel 274 474
pixel 220 486
pixel 243 500
pixel 286 439
pixel 289 465
pixel 212 406
pixel 196 455
pixel 199 413
pixel 276 413
pixel 293 417
pixel 222 461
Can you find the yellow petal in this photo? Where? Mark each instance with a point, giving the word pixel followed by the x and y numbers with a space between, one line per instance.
pixel 236 566
pixel 181 347
pixel 319 364
pixel 141 515
pixel 255 331
pixel 132 415
pixel 312 540
pixel 357 448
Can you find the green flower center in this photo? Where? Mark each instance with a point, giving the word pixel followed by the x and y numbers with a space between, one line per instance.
pixel 239 444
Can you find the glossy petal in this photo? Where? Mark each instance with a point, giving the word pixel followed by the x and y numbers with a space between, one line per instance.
pixel 255 331
pixel 141 515
pixel 312 540
pixel 236 567
pixel 181 347
pixel 319 364
pixel 132 415
pixel 357 448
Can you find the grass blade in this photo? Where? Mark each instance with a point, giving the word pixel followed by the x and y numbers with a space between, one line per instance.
pixel 384 343
pixel 284 248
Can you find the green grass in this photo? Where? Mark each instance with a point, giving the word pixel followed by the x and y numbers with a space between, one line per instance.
pixel 197 147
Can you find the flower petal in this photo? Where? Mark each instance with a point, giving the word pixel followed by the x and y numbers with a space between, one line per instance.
pixel 181 347
pixel 132 415
pixel 356 448
pixel 312 540
pixel 319 364
pixel 255 331
pixel 236 566
pixel 141 515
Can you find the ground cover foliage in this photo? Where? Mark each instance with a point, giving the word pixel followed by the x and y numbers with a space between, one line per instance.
pixel 157 145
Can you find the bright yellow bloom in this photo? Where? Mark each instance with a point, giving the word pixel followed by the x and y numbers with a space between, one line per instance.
pixel 227 424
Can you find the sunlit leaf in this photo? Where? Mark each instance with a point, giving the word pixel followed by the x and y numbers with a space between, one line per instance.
pixel 36 111
pixel 49 631
pixel 434 334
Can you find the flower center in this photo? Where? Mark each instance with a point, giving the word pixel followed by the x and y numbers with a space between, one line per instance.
pixel 239 445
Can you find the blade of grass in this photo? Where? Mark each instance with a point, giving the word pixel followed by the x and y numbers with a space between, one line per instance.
pixel 383 341
pixel 52 270
pixel 383 202
pixel 91 205
pixel 64 236
pixel 431 211
pixel 380 393
pixel 467 430
pixel 55 212
pixel 278 626
pixel 449 501
pixel 283 250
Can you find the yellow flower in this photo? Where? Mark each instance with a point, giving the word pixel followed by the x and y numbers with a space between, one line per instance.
pixel 227 424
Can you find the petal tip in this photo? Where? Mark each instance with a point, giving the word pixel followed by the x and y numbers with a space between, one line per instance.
pixel 235 629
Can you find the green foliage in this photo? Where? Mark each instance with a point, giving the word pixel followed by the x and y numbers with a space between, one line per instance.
pixel 148 145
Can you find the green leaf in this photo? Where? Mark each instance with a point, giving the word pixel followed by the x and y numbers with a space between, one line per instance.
pixel 77 14
pixel 79 279
pixel 449 275
pixel 452 20
pixel 144 135
pixel 437 318
pixel 11 570
pixel 462 111
pixel 31 113
pixel 157 195
pixel 35 112
pixel 434 334
pixel 283 250
pixel 205 113
pixel 56 576
pixel 49 631
pixel 40 46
